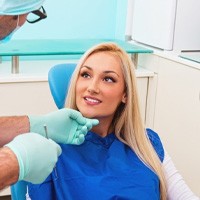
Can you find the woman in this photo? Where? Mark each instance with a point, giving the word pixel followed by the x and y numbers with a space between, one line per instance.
pixel 119 158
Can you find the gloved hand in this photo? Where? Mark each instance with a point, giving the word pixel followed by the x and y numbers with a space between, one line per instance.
pixel 36 156
pixel 65 126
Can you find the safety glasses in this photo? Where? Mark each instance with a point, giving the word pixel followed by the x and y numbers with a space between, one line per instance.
pixel 36 15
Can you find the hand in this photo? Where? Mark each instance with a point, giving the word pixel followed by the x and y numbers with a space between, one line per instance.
pixel 36 156
pixel 65 126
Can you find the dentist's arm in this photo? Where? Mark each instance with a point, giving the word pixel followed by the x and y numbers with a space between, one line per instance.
pixel 19 157
pixel 65 126
pixel 9 168
pixel 12 126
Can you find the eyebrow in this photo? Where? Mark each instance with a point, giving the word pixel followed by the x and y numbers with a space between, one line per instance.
pixel 106 72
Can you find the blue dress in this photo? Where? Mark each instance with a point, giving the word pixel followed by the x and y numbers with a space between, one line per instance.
pixel 100 169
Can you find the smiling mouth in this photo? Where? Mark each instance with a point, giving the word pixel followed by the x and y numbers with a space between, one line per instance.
pixel 91 100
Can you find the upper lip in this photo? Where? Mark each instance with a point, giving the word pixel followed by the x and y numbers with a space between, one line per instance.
pixel 93 98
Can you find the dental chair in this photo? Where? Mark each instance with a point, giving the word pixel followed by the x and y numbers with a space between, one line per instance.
pixel 58 77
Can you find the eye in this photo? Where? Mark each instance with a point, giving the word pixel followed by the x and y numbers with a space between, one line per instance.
pixel 109 79
pixel 85 75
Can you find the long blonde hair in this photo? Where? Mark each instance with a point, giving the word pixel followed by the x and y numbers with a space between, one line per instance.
pixel 127 123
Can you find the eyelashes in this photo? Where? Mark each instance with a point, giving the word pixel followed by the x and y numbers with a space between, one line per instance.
pixel 105 78
pixel 109 79
pixel 85 75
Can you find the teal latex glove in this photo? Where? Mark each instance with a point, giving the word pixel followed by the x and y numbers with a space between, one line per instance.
pixel 65 126
pixel 36 156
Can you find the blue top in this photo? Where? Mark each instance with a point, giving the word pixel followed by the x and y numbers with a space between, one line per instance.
pixel 100 168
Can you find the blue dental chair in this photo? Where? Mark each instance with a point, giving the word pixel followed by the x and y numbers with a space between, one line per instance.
pixel 58 77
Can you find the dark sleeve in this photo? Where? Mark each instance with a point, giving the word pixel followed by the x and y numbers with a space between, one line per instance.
pixel 156 142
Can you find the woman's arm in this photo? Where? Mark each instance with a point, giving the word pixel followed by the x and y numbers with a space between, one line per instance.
pixel 177 189
pixel 11 127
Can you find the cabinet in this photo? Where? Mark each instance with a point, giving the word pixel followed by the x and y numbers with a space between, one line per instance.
pixel 175 111
pixel 171 25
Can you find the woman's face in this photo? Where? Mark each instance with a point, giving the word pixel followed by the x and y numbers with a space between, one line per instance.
pixel 100 86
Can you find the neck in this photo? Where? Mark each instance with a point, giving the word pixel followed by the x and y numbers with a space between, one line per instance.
pixel 103 128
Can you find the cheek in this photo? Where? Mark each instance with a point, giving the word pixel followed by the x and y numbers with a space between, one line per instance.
pixel 114 96
pixel 79 87
pixel 79 90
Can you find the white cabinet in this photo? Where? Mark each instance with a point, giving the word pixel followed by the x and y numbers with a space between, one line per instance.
pixel 176 112
pixel 25 97
pixel 169 25
pixel 5 192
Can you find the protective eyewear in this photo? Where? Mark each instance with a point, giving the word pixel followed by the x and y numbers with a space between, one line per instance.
pixel 36 15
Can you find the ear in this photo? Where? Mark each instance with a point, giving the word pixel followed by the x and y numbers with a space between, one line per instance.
pixel 124 98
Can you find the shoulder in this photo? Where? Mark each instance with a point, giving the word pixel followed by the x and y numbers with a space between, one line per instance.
pixel 156 142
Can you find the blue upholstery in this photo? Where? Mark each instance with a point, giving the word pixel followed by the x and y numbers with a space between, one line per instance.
pixel 18 190
pixel 59 78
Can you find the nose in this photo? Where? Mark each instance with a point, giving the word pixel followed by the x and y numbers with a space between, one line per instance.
pixel 93 87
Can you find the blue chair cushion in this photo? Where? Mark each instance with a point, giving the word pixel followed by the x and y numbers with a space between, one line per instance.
pixel 59 78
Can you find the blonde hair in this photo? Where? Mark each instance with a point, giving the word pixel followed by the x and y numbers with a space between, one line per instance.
pixel 127 123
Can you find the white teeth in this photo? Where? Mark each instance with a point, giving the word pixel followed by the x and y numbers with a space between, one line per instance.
pixel 92 100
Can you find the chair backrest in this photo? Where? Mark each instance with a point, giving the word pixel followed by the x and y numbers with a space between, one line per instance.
pixel 59 77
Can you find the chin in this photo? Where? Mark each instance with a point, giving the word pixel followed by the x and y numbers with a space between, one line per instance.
pixel 89 114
